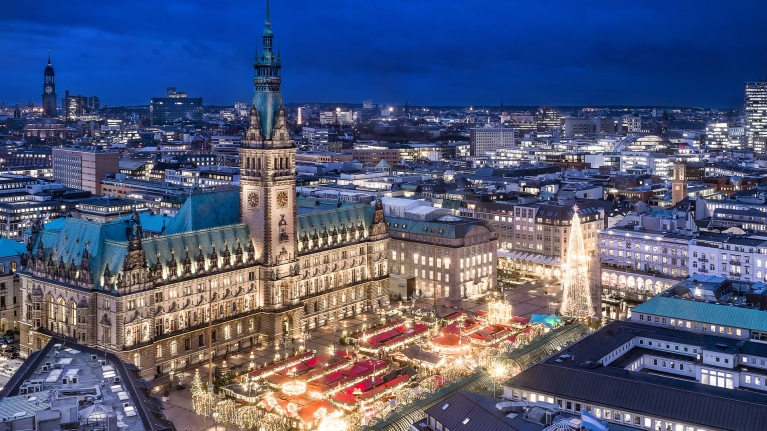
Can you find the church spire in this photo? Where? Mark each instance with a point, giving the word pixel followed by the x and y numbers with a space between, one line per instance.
pixel 267 98
pixel 49 56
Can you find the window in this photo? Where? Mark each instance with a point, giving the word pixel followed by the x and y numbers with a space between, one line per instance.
pixel 173 347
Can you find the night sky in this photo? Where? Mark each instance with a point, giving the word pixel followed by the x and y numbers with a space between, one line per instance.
pixel 471 52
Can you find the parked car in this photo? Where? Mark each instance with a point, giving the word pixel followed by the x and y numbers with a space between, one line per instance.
pixel 9 339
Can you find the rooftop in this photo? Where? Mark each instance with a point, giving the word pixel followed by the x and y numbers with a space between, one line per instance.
pixel 66 383
pixel 714 300
pixel 576 374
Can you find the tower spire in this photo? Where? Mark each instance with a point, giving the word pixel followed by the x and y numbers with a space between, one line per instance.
pixel 268 17
pixel 49 55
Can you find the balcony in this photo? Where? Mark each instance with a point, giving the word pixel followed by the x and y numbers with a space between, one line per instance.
pixel 703 259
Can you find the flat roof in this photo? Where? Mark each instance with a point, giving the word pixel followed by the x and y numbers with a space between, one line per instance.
pixel 575 374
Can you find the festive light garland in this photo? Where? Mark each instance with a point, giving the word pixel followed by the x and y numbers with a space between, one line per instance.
pixel 576 300
pixel 293 388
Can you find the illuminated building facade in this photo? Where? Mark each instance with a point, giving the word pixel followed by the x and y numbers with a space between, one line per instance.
pixel 233 269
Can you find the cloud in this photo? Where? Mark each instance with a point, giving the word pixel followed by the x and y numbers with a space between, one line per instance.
pixel 427 52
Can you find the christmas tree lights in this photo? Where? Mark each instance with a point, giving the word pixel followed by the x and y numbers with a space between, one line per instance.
pixel 576 300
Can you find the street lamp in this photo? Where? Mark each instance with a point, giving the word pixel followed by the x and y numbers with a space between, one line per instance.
pixel 252 360
pixel 171 373
pixel 495 373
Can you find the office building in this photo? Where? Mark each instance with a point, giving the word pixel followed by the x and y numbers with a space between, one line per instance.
pixel 83 168
pixel 93 103
pixel 756 116
pixel 718 136
pixel 589 128
pixel 76 106
pixel 338 116
pixel 10 303
pixel 534 234
pixel 455 255
pixel 176 108
pixel 232 270
pixel 482 140
pixel 689 359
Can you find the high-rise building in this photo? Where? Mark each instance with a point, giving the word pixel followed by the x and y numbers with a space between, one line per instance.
pixel 74 106
pixel 486 139
pixel 49 91
pixel 176 108
pixel 93 103
pixel 234 269
pixel 718 135
pixel 367 104
pixel 83 168
pixel 756 116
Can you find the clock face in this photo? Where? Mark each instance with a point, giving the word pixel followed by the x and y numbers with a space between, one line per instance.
pixel 676 187
pixel 282 199
pixel 48 89
pixel 253 199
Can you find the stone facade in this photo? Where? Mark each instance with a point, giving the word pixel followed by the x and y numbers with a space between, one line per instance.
pixel 466 255
pixel 233 269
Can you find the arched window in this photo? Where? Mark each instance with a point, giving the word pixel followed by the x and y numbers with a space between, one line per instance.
pixel 73 311
pixel 62 310
pixel 51 308
pixel 227 332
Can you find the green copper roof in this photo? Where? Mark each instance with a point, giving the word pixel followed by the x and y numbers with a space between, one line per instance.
pixel 205 210
pixel 696 311
pixel 152 222
pixel 56 223
pixel 107 243
pixel 267 97
pixel 11 248
pixel 443 229
pixel 327 218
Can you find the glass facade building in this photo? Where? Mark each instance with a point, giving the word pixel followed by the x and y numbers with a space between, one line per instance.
pixel 175 110
pixel 756 115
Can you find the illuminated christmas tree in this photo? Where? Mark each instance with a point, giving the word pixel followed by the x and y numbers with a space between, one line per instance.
pixel 196 384
pixel 576 300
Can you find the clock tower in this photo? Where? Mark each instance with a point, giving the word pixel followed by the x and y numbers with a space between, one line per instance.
pixel 49 91
pixel 678 182
pixel 268 179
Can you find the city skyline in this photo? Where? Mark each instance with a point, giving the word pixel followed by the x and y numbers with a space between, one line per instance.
pixel 477 56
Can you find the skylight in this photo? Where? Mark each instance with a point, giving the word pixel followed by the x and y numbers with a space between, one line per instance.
pixel 445 406
pixel 465 421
